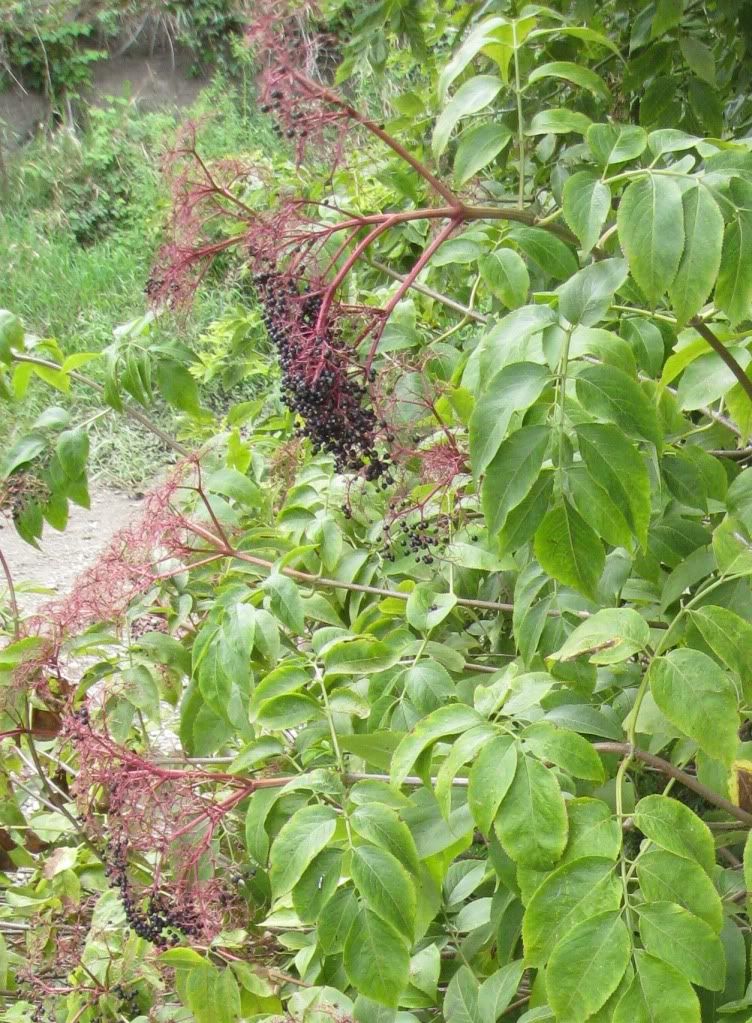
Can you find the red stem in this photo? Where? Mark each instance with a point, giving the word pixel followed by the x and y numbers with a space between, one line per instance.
pixel 345 269
pixel 417 165
pixel 426 255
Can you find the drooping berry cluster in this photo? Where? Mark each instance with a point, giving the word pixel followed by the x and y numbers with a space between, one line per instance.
pixel 157 922
pixel 129 1001
pixel 318 382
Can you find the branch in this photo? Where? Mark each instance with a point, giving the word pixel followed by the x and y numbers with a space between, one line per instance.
pixel 717 345
pixel 417 165
pixel 12 596
pixel 425 258
pixel 687 780
pixel 131 412
pixel 377 591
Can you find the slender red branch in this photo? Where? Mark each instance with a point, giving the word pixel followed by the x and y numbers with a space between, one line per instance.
pixel 418 166
pixel 425 257
pixel 345 269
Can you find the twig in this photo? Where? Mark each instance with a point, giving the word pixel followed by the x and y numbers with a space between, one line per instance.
pixel 687 780
pixel 718 346
pixel 133 413
pixel 11 595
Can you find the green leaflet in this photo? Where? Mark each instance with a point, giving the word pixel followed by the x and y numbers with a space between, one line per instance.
pixel 684 941
pixel 532 823
pixel 586 966
pixel 651 231
pixel 376 958
pixel 691 689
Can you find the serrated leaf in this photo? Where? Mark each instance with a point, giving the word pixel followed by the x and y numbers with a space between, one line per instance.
pixel 385 887
pixel 285 601
pixel 301 839
pixel 617 465
pixel 733 293
pixel 570 894
pixel 586 203
pixel 498 990
pixel 477 147
pixel 512 472
pixel 609 393
pixel 673 826
pixel 569 72
pixel 651 232
pixel 559 121
pixel 616 143
pixel 506 277
pixel 72 450
pixel 513 388
pixel 490 778
pixel 658 992
pixel 551 254
pixel 363 655
pixel 564 748
pixel 532 823
pixel 701 259
pixel 472 96
pixel 586 297
pixel 666 877
pixel 461 998
pixel 609 636
pixel 691 690
pixel 441 723
pixel 381 826
pixel 376 959
pixel 426 608
pixel 586 966
pixel 569 550
pixel 682 940
pixel 730 637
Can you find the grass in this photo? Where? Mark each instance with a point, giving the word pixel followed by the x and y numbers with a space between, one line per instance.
pixel 78 235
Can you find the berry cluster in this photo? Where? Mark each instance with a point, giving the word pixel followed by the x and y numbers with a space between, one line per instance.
pixel 423 539
pixel 317 382
pixel 158 923
pixel 295 115
pixel 129 1001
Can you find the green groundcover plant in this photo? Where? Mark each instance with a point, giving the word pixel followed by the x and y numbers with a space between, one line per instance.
pixel 421 688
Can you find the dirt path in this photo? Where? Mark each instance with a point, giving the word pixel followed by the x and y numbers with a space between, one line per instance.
pixel 63 556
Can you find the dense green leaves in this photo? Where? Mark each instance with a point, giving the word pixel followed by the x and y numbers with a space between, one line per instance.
pixel 439 695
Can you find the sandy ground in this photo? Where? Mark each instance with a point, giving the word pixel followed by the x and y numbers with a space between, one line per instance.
pixel 63 556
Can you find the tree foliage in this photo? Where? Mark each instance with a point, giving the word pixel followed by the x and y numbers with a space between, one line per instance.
pixel 422 686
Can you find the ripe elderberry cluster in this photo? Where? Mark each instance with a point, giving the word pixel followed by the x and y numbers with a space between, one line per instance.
pixel 423 539
pixel 294 130
pixel 317 383
pixel 129 1001
pixel 158 923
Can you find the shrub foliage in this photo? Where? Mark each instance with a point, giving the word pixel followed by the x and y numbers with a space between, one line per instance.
pixel 421 687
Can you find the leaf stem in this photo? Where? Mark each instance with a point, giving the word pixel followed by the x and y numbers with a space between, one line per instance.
pixel 520 121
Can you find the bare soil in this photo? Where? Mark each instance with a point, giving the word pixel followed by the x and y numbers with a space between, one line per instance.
pixel 52 570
